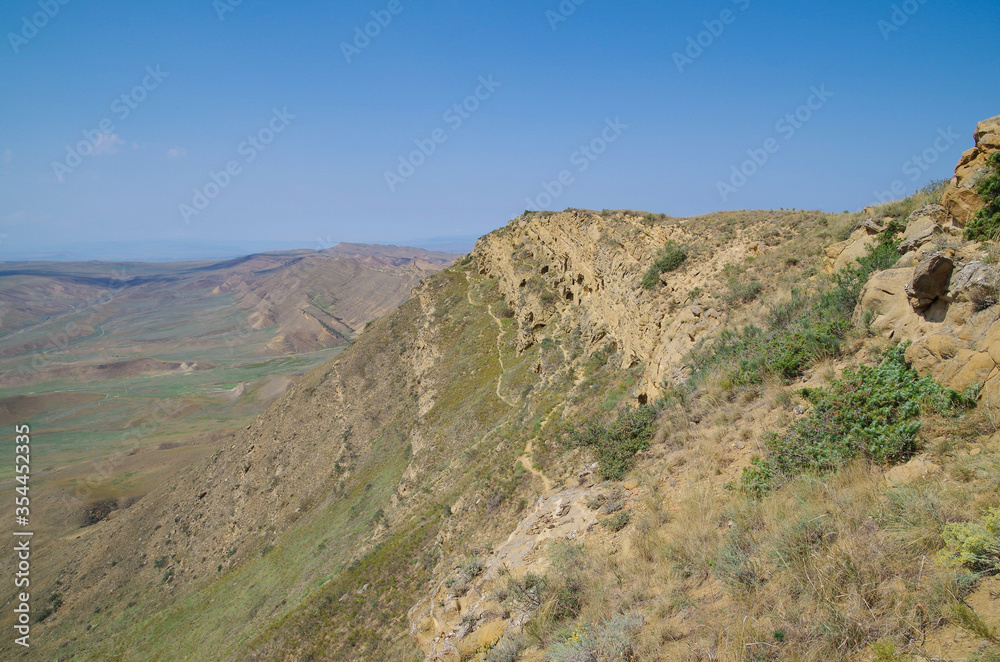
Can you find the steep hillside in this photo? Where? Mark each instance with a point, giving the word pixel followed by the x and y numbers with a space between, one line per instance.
pixel 601 436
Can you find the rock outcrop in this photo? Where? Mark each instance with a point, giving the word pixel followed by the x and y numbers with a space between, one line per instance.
pixel 926 224
pixel 960 198
pixel 841 254
pixel 930 281
pixel 941 303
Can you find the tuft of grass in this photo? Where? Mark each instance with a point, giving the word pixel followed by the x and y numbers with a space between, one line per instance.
pixel 616 522
pixel 742 291
pixel 670 258
pixel 967 619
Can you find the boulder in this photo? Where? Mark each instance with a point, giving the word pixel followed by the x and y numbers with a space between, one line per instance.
pixel 953 366
pixel 872 226
pixel 960 198
pixel 927 353
pixel 930 281
pixel 990 342
pixel 885 293
pixel 917 468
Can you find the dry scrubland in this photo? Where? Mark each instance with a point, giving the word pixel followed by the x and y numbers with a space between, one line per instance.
pixel 605 436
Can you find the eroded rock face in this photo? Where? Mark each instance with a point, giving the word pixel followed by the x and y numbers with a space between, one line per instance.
pixel 976 282
pixel 924 225
pixel 461 614
pixel 930 281
pixel 856 246
pixel 589 279
pixel 960 198
pixel 954 339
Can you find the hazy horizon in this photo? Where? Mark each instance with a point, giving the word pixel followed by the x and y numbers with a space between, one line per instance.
pixel 179 251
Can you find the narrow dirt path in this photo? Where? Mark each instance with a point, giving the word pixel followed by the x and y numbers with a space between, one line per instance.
pixel 525 459
pixel 503 368
pixel 529 465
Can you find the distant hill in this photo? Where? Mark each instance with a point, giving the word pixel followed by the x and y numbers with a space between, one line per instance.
pixel 306 299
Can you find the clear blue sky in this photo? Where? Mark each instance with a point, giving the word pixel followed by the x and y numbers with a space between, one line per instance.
pixel 323 176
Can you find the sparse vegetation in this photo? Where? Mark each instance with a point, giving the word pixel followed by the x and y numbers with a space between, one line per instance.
pixel 507 649
pixel 612 640
pixel 986 225
pixel 801 331
pixel 616 522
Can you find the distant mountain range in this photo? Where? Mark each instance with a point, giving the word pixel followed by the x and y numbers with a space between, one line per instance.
pixel 180 250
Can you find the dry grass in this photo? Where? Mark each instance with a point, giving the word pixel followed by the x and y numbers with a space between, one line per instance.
pixel 820 570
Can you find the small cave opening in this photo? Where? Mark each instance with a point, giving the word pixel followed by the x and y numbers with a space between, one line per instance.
pixel 643 399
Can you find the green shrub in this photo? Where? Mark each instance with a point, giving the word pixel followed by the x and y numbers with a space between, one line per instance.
pixel 616 445
pixel 742 292
pixel 974 545
pixel 616 522
pixel 473 568
pixel 670 258
pixel 504 311
pixel 986 225
pixel 869 412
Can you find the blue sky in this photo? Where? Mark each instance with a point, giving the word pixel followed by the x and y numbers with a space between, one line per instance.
pixel 272 81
